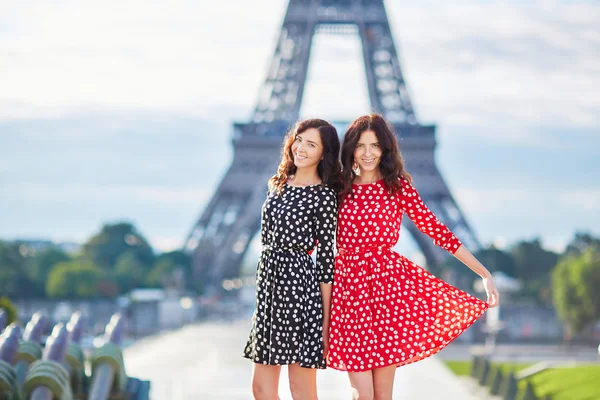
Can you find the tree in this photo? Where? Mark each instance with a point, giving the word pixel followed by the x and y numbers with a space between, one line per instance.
pixel 532 260
pixel 575 283
pixel 74 279
pixel 533 267
pixel 42 264
pixel 497 260
pixel 129 272
pixel 164 271
pixel 161 273
pixel 108 287
pixel 492 258
pixel 105 248
pixel 15 271
pixel 580 243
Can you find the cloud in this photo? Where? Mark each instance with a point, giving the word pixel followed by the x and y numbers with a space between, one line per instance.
pixel 39 193
pixel 511 213
pixel 497 62
pixel 469 62
pixel 99 97
pixel 110 148
pixel 180 57
pixel 587 200
pixel 74 212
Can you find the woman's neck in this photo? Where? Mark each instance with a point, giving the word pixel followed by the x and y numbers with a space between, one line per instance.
pixel 305 176
pixel 368 177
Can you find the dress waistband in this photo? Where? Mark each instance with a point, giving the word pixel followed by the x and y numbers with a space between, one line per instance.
pixel 362 249
pixel 286 249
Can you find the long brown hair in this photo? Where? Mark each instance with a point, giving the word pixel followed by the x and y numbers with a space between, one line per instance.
pixel 329 168
pixel 391 162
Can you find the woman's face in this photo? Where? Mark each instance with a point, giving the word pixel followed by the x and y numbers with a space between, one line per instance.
pixel 307 148
pixel 367 152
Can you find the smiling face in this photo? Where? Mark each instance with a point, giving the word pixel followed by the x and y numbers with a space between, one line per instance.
pixel 367 152
pixel 307 148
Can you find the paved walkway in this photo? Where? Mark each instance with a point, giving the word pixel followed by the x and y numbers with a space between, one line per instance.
pixel 204 362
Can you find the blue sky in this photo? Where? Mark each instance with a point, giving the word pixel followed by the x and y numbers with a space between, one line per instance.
pixel 123 110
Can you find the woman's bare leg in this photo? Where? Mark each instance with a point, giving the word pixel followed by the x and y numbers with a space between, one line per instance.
pixel 265 381
pixel 362 385
pixel 303 382
pixel 383 382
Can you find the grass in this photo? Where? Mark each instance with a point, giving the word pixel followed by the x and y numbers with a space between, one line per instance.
pixel 459 368
pixel 581 382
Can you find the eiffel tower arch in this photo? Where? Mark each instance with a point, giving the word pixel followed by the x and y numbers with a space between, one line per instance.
pixel 221 236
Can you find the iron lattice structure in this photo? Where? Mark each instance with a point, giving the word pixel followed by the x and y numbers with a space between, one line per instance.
pixel 220 238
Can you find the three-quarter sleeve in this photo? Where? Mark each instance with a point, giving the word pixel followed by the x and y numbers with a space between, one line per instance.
pixel 325 227
pixel 412 204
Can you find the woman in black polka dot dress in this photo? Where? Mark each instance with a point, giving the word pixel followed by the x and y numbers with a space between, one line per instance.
pixel 293 295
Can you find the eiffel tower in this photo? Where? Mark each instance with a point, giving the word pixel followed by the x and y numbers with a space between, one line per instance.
pixel 220 238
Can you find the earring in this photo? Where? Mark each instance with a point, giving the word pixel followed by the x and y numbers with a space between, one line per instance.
pixel 355 168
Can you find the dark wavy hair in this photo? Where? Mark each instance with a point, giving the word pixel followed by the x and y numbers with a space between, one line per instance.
pixel 329 168
pixel 391 163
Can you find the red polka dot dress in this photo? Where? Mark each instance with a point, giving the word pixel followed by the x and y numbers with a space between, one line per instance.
pixel 386 310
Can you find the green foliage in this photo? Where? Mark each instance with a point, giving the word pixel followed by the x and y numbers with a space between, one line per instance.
pixel 532 260
pixel 173 269
pixel 108 287
pixel 10 310
pixel 459 368
pixel 533 266
pixel 105 248
pixel 74 279
pixel 455 272
pixel 498 260
pixel 114 261
pixel 527 260
pixel 580 243
pixel 161 274
pixel 15 271
pixel 129 272
pixel 42 264
pixel 575 282
pixel 568 383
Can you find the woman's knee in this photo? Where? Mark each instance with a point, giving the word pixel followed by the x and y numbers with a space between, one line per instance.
pixel 303 382
pixel 302 391
pixel 361 384
pixel 263 390
pixel 265 381
pixel 362 393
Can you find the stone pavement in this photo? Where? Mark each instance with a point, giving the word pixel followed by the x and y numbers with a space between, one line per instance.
pixel 204 361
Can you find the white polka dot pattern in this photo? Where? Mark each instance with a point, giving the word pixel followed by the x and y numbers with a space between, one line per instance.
pixel 287 326
pixel 386 310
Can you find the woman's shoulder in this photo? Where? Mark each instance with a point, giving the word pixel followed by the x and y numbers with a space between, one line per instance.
pixel 326 192
pixel 405 183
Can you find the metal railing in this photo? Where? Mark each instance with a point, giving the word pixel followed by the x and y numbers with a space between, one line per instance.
pixel 57 371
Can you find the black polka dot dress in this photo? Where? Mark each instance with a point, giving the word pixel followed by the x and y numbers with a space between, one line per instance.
pixel 287 325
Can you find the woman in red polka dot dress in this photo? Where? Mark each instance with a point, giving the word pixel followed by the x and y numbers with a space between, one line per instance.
pixel 387 311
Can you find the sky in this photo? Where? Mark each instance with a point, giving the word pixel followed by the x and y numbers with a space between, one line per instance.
pixel 117 110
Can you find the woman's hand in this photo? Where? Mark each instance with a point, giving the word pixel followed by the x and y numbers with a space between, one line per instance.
pixel 493 298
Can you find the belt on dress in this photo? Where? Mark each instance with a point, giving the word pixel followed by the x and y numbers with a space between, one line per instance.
pixel 362 249
pixel 286 249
